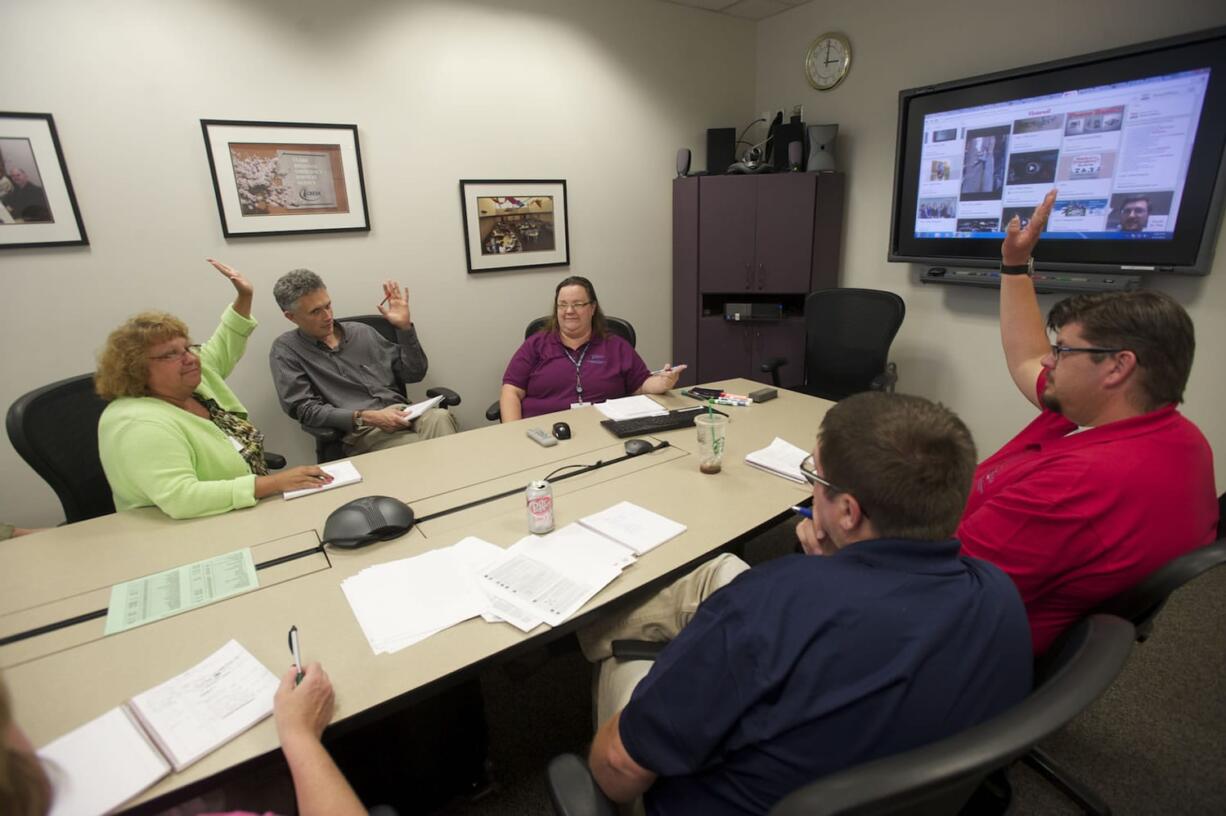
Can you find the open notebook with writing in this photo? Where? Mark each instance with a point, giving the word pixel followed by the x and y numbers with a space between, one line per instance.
pixel 100 765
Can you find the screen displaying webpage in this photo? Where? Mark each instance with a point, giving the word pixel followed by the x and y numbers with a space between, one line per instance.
pixel 1118 155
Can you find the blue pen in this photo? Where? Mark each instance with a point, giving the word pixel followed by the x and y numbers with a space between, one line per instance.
pixel 802 511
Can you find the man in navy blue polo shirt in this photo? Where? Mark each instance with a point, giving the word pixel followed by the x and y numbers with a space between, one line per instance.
pixel 879 639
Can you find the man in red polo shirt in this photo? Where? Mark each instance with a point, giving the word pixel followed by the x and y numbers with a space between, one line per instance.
pixel 1110 481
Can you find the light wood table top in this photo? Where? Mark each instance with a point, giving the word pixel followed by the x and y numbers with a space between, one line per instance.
pixel 61 679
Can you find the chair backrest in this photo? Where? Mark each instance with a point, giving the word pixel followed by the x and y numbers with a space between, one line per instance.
pixel 848 333
pixel 939 778
pixel 621 328
pixel 55 429
pixel 377 322
pixel 1141 603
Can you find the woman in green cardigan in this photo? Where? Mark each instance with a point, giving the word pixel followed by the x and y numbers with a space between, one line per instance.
pixel 174 434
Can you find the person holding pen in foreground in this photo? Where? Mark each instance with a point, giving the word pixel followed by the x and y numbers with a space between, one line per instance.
pixel 576 360
pixel 301 711
pixel 174 435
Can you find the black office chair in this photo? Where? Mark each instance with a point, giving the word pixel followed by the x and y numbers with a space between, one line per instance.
pixel 617 325
pixel 328 440
pixel 55 429
pixel 848 333
pixel 934 779
pixel 1141 605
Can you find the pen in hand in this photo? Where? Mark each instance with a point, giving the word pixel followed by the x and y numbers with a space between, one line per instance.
pixel 802 511
pixel 293 648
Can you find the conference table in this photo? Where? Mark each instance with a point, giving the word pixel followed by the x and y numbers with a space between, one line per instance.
pixel 67 675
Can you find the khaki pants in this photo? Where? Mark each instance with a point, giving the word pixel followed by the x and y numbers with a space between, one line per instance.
pixel 435 422
pixel 660 618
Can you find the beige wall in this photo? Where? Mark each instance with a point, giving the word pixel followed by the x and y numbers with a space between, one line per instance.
pixel 949 346
pixel 598 93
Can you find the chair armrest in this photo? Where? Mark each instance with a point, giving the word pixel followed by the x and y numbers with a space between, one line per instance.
pixel 322 434
pixel 772 367
pixel 494 413
pixel 273 461
pixel 637 649
pixel 450 398
pixel 572 789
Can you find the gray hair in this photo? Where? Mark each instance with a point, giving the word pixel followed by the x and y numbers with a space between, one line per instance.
pixel 293 285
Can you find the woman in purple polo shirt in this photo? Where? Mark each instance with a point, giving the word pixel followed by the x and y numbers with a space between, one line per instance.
pixel 575 359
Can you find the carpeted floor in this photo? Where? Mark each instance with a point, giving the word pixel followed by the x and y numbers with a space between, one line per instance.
pixel 1155 743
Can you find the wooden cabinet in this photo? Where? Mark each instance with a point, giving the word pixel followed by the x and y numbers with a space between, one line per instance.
pixel 768 240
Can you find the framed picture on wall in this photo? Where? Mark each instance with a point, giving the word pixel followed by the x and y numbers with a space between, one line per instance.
pixel 286 178
pixel 514 224
pixel 37 205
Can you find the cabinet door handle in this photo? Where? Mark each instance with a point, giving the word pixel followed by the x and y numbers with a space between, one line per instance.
pixel 748 276
pixel 761 276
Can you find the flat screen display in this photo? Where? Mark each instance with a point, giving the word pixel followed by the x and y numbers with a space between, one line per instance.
pixel 1132 140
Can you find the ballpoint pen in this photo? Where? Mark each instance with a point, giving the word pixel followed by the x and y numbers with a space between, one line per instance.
pixel 802 511
pixel 293 647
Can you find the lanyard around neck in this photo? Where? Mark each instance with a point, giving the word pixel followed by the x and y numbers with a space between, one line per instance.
pixel 577 364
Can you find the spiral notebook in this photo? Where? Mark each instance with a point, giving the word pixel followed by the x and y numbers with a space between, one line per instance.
pixel 104 763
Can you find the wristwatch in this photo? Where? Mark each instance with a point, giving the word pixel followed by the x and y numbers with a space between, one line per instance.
pixel 358 422
pixel 1024 269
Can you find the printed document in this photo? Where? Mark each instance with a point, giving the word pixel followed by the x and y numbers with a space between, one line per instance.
pixel 342 473
pixel 781 458
pixel 144 600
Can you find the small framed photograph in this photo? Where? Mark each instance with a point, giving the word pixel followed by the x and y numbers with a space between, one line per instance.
pixel 37 205
pixel 286 178
pixel 514 224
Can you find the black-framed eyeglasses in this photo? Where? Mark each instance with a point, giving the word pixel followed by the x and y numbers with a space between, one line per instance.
pixel 808 469
pixel 193 349
pixel 1057 350
pixel 566 307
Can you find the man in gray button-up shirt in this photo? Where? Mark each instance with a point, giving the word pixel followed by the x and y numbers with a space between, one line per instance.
pixel 330 375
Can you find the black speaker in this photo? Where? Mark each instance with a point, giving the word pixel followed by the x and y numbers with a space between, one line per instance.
pixel 785 134
pixel 683 162
pixel 721 150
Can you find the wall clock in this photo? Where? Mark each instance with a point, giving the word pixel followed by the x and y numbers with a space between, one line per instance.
pixel 827 61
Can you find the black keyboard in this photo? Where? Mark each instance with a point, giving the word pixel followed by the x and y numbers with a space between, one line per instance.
pixel 680 418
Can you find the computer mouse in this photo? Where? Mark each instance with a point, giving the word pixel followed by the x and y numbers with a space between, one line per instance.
pixel 367 520
pixel 636 447
pixel 561 430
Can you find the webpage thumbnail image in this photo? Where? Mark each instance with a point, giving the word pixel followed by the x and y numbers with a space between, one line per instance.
pixel 983 163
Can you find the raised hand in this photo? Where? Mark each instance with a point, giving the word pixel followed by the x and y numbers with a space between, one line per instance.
pixel 242 303
pixel 397 309
pixel 1019 243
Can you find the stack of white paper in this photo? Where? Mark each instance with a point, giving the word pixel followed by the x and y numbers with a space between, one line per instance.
pixel 342 473
pixel 539 579
pixel 781 458
pixel 403 602
pixel 631 407
pixel 632 526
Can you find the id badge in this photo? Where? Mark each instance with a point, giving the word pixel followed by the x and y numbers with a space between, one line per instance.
pixel 575 405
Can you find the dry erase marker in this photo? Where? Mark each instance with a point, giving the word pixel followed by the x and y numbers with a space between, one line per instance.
pixel 802 511
pixel 293 648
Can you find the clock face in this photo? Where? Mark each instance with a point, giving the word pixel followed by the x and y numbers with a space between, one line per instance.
pixel 827 61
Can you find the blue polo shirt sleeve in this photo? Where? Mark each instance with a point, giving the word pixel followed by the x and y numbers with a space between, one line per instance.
pixel 696 692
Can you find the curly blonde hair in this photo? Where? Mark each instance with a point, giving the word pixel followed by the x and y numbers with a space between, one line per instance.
pixel 24 790
pixel 123 365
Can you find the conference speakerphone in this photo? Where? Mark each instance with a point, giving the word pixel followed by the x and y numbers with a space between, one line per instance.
pixel 1044 282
